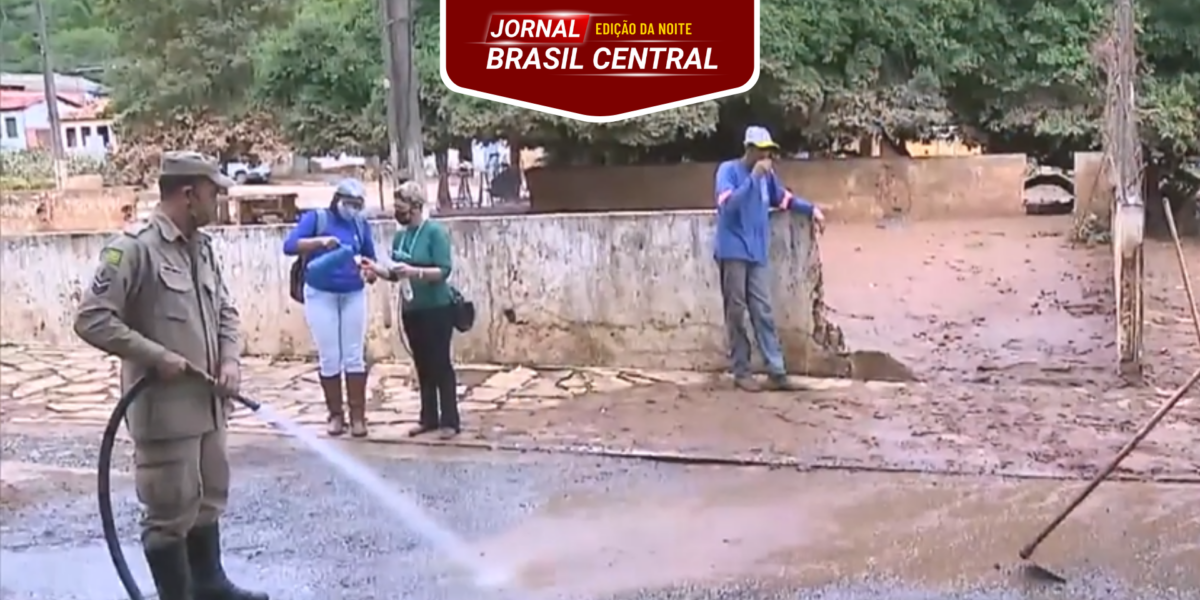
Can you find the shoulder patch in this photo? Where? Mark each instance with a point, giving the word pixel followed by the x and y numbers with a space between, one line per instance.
pixel 112 256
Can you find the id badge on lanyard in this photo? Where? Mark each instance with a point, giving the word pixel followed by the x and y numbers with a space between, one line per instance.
pixel 406 248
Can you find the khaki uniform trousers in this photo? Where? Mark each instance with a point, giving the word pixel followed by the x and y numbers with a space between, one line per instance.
pixel 181 483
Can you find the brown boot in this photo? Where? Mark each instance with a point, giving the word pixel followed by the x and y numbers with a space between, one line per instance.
pixel 332 387
pixel 356 397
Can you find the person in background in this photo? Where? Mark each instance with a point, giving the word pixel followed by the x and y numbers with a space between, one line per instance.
pixel 747 189
pixel 422 256
pixel 335 301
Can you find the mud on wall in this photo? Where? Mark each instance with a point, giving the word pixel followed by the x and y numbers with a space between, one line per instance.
pixel 1093 195
pixel 622 290
pixel 860 189
pixel 66 210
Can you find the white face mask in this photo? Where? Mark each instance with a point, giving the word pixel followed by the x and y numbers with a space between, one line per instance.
pixel 347 212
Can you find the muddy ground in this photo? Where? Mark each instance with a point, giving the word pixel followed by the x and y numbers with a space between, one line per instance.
pixel 984 301
pixel 1009 323
pixel 587 528
pixel 1171 350
pixel 1001 301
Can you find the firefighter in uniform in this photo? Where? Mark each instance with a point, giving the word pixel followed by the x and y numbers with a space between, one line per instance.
pixel 159 303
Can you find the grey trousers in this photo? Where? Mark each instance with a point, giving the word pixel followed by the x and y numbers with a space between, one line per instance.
pixel 746 288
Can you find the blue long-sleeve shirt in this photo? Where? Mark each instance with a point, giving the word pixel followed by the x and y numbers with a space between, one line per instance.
pixel 744 203
pixel 353 234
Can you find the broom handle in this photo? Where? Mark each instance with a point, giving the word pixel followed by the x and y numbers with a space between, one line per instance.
pixel 1183 270
pixel 1028 550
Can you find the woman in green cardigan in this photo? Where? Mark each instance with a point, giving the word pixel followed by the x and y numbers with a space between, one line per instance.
pixel 423 264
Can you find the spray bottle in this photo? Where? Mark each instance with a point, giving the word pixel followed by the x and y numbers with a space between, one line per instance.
pixel 325 264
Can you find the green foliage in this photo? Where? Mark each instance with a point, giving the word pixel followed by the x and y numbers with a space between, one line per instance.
pixel 323 75
pixel 1170 43
pixel 185 55
pixel 1017 75
pixel 831 72
pixel 34 170
pixel 78 39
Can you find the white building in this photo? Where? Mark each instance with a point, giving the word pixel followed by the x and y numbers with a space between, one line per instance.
pixel 88 130
pixel 25 118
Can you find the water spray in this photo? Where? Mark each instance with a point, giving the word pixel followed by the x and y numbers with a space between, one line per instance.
pixel 450 544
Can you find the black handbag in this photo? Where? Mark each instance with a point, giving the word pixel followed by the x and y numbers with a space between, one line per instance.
pixel 296 279
pixel 464 311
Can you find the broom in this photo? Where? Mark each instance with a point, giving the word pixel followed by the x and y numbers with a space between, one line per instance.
pixel 1038 572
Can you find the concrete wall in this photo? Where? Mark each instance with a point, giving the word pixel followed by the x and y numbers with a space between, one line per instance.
pixel 1093 194
pixel 630 289
pixel 849 189
pixel 67 210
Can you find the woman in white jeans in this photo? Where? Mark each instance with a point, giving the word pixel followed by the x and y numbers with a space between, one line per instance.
pixel 335 300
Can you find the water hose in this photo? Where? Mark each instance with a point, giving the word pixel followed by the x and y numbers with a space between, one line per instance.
pixel 104 482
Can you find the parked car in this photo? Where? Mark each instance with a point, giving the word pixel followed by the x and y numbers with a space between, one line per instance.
pixel 1049 191
pixel 244 173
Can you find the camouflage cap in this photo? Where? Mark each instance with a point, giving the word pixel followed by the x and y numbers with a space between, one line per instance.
pixel 186 162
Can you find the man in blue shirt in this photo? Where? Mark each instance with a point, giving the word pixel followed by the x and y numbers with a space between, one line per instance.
pixel 747 189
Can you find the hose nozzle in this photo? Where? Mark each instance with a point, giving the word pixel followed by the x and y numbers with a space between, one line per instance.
pixel 208 379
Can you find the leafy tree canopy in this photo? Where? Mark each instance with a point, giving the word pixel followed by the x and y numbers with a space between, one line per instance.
pixel 185 55
pixel 1019 75
pixel 78 38
pixel 1014 73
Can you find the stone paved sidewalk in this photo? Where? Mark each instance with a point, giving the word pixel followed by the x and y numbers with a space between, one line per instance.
pixel 1006 430
pixel 40 384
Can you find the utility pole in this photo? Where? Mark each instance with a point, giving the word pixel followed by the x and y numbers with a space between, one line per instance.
pixel 404 117
pixel 1122 146
pixel 51 97
pixel 389 73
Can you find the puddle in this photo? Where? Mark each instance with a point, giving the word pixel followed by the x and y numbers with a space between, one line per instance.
pixel 69 573
pixel 815 530
pixel 82 573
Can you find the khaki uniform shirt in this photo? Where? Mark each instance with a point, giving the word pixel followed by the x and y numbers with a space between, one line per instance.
pixel 157 291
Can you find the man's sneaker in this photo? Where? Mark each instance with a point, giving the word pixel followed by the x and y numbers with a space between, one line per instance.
pixel 746 383
pixel 781 383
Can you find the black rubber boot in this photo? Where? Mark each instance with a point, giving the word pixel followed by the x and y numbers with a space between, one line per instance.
pixel 209 581
pixel 169 567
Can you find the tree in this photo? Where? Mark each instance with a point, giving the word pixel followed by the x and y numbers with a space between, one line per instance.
pixel 181 77
pixel 78 39
pixel 1015 76
pixel 322 74
pixel 1171 84
pixel 185 55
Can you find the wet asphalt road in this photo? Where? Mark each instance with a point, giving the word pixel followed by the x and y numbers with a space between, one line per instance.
pixel 298 530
